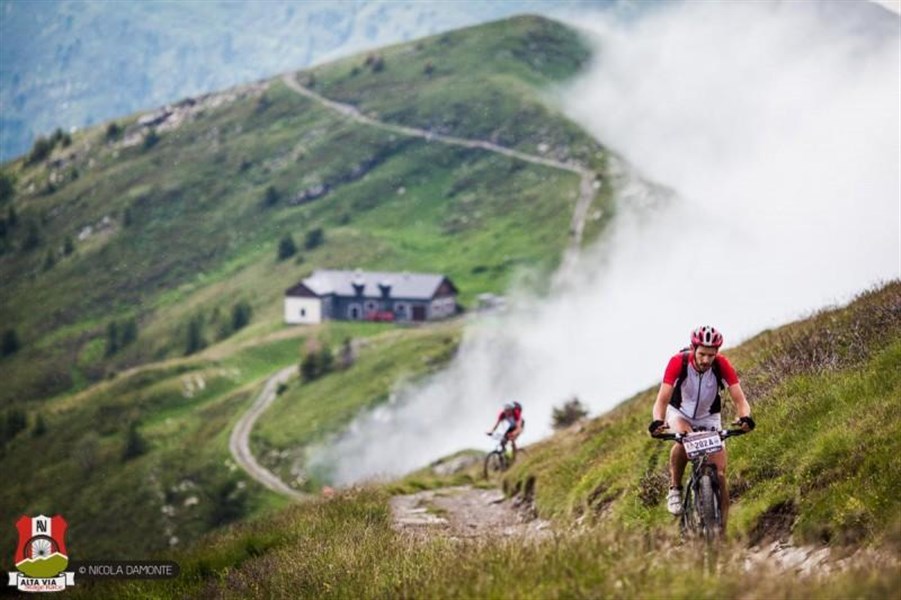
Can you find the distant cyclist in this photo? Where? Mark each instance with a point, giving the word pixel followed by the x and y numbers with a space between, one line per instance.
pixel 689 400
pixel 511 417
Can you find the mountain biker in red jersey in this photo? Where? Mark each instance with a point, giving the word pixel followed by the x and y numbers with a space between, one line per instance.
pixel 511 415
pixel 689 399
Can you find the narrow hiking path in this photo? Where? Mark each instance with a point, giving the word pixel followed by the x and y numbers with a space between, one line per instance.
pixel 467 513
pixel 239 441
pixel 589 182
pixel 464 512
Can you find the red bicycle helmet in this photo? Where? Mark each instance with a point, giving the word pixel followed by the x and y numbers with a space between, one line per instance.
pixel 706 336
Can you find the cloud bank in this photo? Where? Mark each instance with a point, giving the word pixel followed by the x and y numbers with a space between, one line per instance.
pixel 774 133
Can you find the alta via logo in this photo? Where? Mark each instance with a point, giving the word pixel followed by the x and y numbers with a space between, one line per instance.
pixel 41 555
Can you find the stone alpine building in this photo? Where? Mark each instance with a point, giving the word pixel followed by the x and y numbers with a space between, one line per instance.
pixel 369 296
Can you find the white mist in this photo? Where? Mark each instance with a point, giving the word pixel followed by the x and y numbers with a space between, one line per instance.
pixel 776 126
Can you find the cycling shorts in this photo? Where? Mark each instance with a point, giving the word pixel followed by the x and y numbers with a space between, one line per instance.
pixel 511 425
pixel 712 422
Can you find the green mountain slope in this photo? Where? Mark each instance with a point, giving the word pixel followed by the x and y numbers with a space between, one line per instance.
pixel 179 480
pixel 183 223
pixel 822 467
pixel 128 253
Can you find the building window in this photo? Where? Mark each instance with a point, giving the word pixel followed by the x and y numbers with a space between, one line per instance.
pixel 353 312
pixel 371 305
pixel 303 312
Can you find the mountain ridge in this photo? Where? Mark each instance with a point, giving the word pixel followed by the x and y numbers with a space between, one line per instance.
pixel 167 52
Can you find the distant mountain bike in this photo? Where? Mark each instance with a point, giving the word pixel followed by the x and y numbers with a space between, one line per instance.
pixel 497 460
pixel 701 516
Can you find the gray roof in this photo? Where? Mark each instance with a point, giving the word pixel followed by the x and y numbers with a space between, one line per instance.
pixel 403 285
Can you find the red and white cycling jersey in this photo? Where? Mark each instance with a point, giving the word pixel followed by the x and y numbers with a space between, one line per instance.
pixel 512 420
pixel 697 395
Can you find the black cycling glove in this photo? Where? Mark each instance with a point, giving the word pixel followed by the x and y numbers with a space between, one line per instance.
pixel 654 426
pixel 748 421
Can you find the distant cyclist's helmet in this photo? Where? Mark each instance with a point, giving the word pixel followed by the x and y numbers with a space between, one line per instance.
pixel 706 336
pixel 509 406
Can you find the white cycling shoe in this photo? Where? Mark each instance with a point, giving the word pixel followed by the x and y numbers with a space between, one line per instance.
pixel 674 501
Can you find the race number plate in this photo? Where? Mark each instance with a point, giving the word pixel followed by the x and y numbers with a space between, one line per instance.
pixel 702 442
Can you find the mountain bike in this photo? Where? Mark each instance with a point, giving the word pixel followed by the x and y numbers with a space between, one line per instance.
pixel 701 516
pixel 497 460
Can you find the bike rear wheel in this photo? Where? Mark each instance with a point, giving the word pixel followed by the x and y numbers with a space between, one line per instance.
pixel 708 506
pixel 495 464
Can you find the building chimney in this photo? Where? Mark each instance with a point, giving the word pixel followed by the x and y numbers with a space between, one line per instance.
pixel 358 283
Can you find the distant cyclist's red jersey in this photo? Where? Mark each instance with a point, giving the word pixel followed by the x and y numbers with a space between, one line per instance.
pixel 517 414
pixel 698 394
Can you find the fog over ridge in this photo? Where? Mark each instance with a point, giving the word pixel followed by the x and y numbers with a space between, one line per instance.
pixel 777 129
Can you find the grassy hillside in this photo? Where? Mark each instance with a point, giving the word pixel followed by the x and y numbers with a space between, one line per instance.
pixel 303 413
pixel 186 223
pixel 346 548
pixel 413 85
pixel 821 467
pixel 141 305
pixel 180 480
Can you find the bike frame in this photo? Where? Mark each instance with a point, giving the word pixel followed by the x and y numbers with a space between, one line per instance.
pixel 501 439
pixel 500 450
pixel 692 518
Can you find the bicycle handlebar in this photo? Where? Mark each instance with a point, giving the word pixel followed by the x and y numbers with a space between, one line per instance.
pixel 677 437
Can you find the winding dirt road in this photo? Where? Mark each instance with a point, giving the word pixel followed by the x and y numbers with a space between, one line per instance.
pixel 589 182
pixel 239 441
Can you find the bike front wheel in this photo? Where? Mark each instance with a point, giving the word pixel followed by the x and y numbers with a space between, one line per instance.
pixel 708 507
pixel 689 523
pixel 495 464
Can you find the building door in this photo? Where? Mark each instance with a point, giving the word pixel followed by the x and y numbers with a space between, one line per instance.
pixel 419 313
pixel 402 311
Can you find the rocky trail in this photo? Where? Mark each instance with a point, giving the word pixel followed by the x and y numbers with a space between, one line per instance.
pixel 465 512
pixel 468 513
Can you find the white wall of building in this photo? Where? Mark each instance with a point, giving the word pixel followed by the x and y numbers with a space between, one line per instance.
pixel 442 307
pixel 303 310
